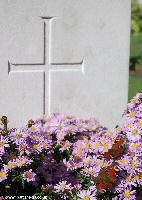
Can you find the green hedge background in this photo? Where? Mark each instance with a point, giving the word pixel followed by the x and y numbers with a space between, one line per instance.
pixel 135 78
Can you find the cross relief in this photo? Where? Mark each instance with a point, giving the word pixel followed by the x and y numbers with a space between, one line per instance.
pixel 47 67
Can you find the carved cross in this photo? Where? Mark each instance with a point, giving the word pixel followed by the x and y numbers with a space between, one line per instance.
pixel 46 67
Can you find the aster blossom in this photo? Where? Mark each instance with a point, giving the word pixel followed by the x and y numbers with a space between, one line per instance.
pixel 67 157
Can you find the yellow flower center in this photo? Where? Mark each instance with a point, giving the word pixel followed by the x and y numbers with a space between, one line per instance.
pixel 29 175
pixel 86 198
pixel 66 145
pixel 49 119
pixel 97 145
pixel 104 140
pixel 76 159
pixel 87 146
pixel 59 127
pixel 133 164
pixel 44 144
pixel 18 136
pixel 140 123
pixel 1 144
pixel 113 141
pixel 35 146
pixel 123 161
pixel 135 132
pixel 63 119
pixel 33 128
pixel 129 125
pixel 20 164
pixel 86 140
pixel 62 187
pixel 119 130
pixel 10 165
pixel 69 117
pixel 128 179
pixel 89 121
pixel 62 135
pixel 2 174
pixel 134 101
pixel 127 193
pixel 110 133
pixel 105 164
pixel 132 114
pixel 79 151
pixel 137 177
pixel 80 126
pixel 36 138
pixel 97 125
pixel 89 128
pixel 106 146
pixel 135 146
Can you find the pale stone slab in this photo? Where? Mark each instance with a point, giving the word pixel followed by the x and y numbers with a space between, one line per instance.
pixel 68 56
pixel 140 1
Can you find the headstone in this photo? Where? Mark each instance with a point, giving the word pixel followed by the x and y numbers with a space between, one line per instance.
pixel 64 56
pixel 140 1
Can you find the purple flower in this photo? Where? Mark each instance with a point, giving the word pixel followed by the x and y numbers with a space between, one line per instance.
pixel 29 176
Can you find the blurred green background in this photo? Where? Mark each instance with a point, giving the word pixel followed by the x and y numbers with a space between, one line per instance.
pixel 135 79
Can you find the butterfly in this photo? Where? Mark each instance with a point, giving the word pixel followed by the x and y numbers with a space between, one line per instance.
pixel 116 151
pixel 106 178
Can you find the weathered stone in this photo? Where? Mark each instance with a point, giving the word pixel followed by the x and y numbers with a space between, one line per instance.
pixel 66 56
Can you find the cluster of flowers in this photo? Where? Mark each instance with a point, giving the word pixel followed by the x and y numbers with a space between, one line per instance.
pixel 65 157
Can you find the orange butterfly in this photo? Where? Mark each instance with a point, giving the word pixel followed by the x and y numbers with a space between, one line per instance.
pixel 106 178
pixel 116 151
pixel 112 173
pixel 118 143
pixel 103 186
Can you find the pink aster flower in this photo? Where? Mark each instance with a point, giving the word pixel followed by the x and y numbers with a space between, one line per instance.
pixel 17 136
pixel 3 143
pixel 24 148
pixel 93 171
pixel 36 148
pixel 70 165
pixel 78 186
pixel 88 161
pixel 96 146
pixel 106 144
pixel 62 187
pixel 3 174
pixel 124 162
pixel 65 145
pixel 134 134
pixel 128 194
pixel 29 176
pixel 79 149
pixel 135 147
pixel 60 135
pixel 87 195
pixel 23 161
pixel 11 165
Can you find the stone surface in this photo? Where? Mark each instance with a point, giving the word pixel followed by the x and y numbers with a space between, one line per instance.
pixel 64 56
pixel 140 1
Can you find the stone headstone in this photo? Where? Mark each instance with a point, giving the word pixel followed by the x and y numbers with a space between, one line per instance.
pixel 140 1
pixel 66 56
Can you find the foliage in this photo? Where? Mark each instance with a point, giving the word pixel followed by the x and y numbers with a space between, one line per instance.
pixel 135 86
pixel 136 51
pixel 136 18
pixel 136 35
pixel 63 157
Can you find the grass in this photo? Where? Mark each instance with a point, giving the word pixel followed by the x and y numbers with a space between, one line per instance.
pixel 136 46
pixel 135 86
pixel 135 81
